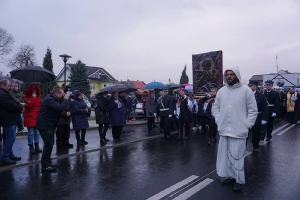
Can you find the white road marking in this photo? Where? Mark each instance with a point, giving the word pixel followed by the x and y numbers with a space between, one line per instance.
pixel 274 131
pixel 173 188
pixel 285 130
pixel 194 189
pixel 247 153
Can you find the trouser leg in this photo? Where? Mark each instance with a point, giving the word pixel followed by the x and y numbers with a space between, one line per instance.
pixel 149 124
pixel 270 126
pixel 256 135
pixel 59 134
pixel 10 132
pixel 100 129
pixel 114 132
pixel 77 134
pixel 187 128
pixel 66 134
pixel 119 130
pixel 167 126
pixel 48 138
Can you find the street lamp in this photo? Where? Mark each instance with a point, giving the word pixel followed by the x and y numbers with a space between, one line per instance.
pixel 65 58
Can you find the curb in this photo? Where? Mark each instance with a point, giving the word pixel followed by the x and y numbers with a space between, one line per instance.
pixel 90 128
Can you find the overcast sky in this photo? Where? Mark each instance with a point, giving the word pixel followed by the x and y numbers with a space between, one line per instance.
pixel 154 39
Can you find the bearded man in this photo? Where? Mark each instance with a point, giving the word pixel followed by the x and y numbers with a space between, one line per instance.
pixel 235 113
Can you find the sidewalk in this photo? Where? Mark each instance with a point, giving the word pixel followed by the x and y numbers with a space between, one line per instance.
pixel 93 125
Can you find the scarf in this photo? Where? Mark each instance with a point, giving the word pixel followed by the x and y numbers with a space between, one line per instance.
pixel 290 103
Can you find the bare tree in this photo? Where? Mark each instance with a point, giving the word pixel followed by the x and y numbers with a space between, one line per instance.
pixel 25 56
pixel 6 43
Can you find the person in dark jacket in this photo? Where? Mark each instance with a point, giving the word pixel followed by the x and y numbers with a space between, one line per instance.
pixel 272 98
pixel 210 117
pixel 10 111
pixel 150 111
pixel 18 95
pixel 117 115
pixel 101 112
pixel 46 124
pixel 128 105
pixel 63 127
pixel 262 117
pixel 201 112
pixel 79 117
pixel 184 113
pixel 166 111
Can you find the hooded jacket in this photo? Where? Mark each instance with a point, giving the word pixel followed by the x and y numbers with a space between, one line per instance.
pixel 235 108
pixel 32 108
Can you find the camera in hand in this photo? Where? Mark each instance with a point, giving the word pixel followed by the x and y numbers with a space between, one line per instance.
pixel 66 90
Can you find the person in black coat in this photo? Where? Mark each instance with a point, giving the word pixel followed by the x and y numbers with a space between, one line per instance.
pixel 210 117
pixel 102 118
pixel 79 117
pixel 166 111
pixel 184 114
pixel 10 111
pixel 262 117
pixel 63 127
pixel 201 112
pixel 47 121
pixel 272 98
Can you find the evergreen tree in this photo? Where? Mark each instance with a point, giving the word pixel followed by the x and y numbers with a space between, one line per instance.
pixel 184 77
pixel 48 64
pixel 78 78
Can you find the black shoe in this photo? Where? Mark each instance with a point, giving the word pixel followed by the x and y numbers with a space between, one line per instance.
pixel 237 187
pixel 119 139
pixel 228 181
pixel 268 139
pixel 107 140
pixel 68 145
pixel 20 130
pixel 37 148
pixel 84 142
pixel 103 141
pixel 79 143
pixel 13 157
pixel 8 162
pixel 262 138
pixel 49 169
pixel 31 149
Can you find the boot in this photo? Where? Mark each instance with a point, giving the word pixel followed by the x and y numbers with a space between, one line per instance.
pixel 31 149
pixel 83 139
pixel 78 138
pixel 103 141
pixel 37 148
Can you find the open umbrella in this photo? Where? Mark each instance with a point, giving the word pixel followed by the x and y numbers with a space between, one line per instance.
pixel 154 85
pixel 32 74
pixel 118 88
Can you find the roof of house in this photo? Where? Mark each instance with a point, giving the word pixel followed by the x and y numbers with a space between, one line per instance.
pixel 138 84
pixel 95 73
pixel 257 78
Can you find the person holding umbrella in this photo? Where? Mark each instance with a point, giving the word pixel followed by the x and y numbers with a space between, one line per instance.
pixel 117 115
pixel 101 112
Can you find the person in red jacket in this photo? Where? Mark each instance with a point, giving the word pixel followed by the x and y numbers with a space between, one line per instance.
pixel 31 112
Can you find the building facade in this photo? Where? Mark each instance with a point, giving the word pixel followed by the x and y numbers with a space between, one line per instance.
pixel 98 77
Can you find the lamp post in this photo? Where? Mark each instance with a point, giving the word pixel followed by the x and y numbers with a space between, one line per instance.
pixel 65 58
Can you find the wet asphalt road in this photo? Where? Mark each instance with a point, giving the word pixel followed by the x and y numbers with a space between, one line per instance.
pixel 143 169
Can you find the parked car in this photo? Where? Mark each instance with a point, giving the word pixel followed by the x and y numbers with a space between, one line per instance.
pixel 138 110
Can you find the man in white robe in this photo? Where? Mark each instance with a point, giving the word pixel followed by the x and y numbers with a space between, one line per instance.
pixel 235 114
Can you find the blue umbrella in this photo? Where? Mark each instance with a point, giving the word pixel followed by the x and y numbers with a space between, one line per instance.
pixel 154 85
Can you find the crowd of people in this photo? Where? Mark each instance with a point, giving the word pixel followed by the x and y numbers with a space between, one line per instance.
pixel 214 113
